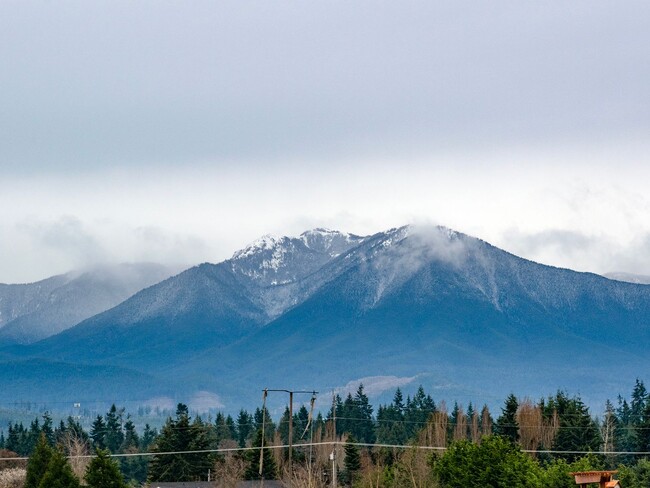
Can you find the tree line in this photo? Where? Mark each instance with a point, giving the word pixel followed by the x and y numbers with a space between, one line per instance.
pixel 528 443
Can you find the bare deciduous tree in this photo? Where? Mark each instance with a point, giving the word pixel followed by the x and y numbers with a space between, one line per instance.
pixel 486 422
pixel 6 454
pixel 304 477
pixel 475 433
pixel 229 471
pixel 550 428
pixel 413 469
pixel 78 451
pixel 529 418
pixel 460 429
pixel 435 433
pixel 12 478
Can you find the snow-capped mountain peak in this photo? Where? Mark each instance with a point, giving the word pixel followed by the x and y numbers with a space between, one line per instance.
pixel 274 260
pixel 265 242
pixel 328 241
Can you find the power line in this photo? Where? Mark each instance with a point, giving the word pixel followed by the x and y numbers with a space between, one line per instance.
pixel 333 443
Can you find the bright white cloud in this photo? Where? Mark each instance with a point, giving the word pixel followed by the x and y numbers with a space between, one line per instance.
pixel 180 131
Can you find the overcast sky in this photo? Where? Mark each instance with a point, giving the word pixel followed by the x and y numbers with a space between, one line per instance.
pixel 179 131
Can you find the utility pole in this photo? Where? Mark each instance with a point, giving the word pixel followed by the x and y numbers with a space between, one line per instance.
pixel 291 392
pixel 290 434
pixel 333 455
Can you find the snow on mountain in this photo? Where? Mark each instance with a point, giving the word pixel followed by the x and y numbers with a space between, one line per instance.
pixel 279 270
pixel 272 260
pixel 30 312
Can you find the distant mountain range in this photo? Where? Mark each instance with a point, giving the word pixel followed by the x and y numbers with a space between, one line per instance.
pixel 34 311
pixel 407 306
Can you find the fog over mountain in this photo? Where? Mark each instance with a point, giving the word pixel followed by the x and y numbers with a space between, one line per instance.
pixel 34 311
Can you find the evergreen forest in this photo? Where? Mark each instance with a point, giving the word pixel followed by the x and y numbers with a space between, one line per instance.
pixel 413 441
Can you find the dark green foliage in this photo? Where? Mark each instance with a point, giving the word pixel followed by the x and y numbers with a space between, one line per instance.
pixel 417 412
pixel 47 428
pixel 104 472
pixel 496 462
pixel 178 435
pixel 632 422
pixel 263 415
pixel 15 439
pixel 636 475
pixel 556 473
pixel 352 460
pixel 114 434
pixel 224 429
pixel 131 440
pixel 22 440
pixel 98 433
pixel 506 425
pixel 638 402
pixel 59 473
pixel 391 428
pixel 578 431
pixel 148 437
pixel 283 426
pixel 244 427
pixel 269 468
pixel 38 462
pixel 134 468
pixel 354 416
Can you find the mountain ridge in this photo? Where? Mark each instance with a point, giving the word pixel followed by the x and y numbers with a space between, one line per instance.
pixel 33 311
pixel 411 301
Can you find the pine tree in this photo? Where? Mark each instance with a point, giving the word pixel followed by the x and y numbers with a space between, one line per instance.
pixel 642 430
pixel 391 428
pixel 638 403
pixel 269 467
pixel 283 426
pixel 365 426
pixel 263 415
pixel 148 436
pixel 244 427
pixel 506 425
pixel 180 435
pixel 38 462
pixel 104 472
pixel 59 473
pixel 352 460
pixel 131 439
pixel 417 412
pixel 47 428
pixel 223 431
pixel 13 440
pixel 98 433
pixel 114 434
pixel 578 431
